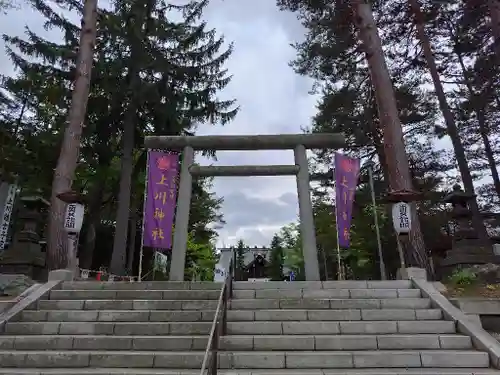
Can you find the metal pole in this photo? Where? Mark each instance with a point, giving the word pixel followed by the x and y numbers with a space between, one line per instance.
pixel 401 255
pixel 383 275
pixel 339 261
pixel 72 244
pixel 154 265
pixel 325 265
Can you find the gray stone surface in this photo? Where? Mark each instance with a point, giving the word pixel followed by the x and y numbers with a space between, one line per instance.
pixel 359 328
pixel 480 338
pixel 14 285
pixel 61 275
pixel 481 306
pixel 152 371
pixel 412 273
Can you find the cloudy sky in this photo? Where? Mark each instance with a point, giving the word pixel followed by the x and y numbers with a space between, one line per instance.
pixel 273 99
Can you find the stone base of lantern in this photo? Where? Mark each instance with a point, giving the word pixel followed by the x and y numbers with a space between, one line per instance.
pixel 465 255
pixel 24 258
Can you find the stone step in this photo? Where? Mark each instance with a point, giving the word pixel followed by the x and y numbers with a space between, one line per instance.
pixel 326 293
pixel 135 294
pixel 348 284
pixel 103 342
pixel 116 359
pixel 110 371
pixel 246 360
pixel 116 316
pixel 125 305
pixel 344 342
pixel 236 343
pixel 341 327
pixel 137 371
pixel 328 315
pixel 310 303
pixel 143 285
pixel 232 315
pixel 108 328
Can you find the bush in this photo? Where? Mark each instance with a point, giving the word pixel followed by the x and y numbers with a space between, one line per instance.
pixel 463 277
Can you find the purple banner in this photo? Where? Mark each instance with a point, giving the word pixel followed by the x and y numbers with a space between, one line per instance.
pixel 161 199
pixel 346 180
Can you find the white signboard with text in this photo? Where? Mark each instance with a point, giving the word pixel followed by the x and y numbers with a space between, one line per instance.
pixel 7 213
pixel 401 217
pixel 219 273
pixel 74 217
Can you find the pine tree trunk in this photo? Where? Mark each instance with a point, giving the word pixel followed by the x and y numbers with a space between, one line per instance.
pixel 488 150
pixel 451 125
pixel 396 158
pixel 494 9
pixel 139 28
pixel 131 245
pixel 119 256
pixel 93 217
pixel 479 107
pixel 57 256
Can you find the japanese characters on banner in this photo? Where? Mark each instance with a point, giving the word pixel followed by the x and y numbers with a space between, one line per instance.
pixel 7 213
pixel 73 219
pixel 401 217
pixel 346 179
pixel 160 199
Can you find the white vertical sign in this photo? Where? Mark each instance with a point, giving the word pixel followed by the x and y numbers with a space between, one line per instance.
pixel 7 213
pixel 219 273
pixel 74 217
pixel 401 217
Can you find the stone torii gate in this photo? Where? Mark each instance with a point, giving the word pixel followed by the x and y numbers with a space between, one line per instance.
pixel 299 143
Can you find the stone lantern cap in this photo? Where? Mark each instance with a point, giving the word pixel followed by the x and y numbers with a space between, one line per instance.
pixel 458 196
pixel 34 202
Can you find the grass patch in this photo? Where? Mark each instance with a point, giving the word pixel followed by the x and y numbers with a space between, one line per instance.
pixel 465 283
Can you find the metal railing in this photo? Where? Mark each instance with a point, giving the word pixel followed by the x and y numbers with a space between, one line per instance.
pixel 219 327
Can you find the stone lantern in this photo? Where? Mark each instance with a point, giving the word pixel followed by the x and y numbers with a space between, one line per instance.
pixel 25 255
pixel 467 248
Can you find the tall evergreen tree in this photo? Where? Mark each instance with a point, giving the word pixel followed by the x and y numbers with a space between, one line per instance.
pixel 241 249
pixel 333 54
pixel 58 254
pixel 180 78
pixel 186 75
pixel 276 259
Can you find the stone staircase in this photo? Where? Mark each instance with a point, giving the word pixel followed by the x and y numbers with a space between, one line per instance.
pixel 309 328
pixel 112 328
pixel 349 327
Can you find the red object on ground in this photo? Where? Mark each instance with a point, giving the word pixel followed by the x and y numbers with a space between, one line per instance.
pixel 98 278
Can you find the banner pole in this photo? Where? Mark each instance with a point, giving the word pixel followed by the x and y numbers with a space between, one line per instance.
pixel 339 262
pixel 141 251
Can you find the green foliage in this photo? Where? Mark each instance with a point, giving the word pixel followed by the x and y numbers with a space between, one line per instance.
pixel 181 65
pixel 241 249
pixel 276 260
pixel 332 55
pixel 463 277
pixel 290 240
pixel 200 260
